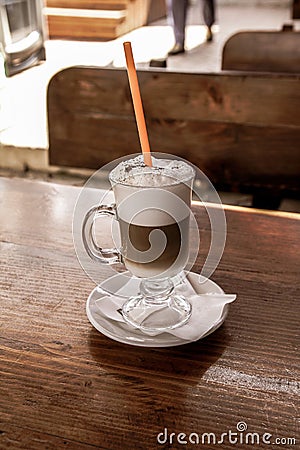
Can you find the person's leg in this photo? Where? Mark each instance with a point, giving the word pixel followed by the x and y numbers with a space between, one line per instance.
pixel 177 11
pixel 208 9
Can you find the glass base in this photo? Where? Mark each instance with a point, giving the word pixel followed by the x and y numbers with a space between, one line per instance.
pixel 158 308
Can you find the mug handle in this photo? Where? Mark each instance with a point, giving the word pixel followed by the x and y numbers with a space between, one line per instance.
pixel 108 256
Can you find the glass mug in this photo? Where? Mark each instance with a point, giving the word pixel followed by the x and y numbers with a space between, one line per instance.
pixel 152 207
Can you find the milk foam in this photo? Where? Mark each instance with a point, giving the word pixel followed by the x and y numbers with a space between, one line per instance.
pixel 164 172
pixel 152 196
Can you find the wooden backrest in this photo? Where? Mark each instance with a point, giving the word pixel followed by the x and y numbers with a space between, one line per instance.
pixel 263 51
pixel 296 9
pixel 242 130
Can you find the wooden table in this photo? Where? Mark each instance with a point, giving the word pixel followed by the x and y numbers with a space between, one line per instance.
pixel 65 385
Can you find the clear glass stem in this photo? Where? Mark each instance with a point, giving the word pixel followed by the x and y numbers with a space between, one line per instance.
pixel 156 292
pixel 157 308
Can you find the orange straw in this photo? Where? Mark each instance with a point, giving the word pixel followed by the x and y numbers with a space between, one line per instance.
pixel 137 103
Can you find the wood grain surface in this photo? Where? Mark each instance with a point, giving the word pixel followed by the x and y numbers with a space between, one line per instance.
pixel 241 129
pixel 65 385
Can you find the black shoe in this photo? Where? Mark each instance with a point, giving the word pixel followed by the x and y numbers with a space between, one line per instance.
pixel 209 35
pixel 177 49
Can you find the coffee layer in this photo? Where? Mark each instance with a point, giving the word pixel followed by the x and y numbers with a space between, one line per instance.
pixel 170 253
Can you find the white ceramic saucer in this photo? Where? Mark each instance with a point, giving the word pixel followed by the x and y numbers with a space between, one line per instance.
pixel 121 331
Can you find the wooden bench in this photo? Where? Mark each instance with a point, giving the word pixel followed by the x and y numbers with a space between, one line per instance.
pixel 296 9
pixel 263 51
pixel 242 130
